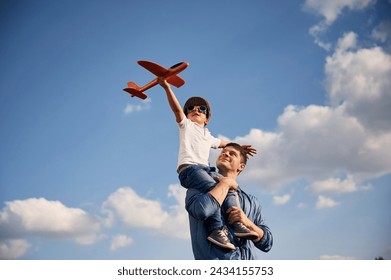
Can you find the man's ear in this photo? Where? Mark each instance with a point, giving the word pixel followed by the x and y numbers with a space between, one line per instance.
pixel 241 167
pixel 206 121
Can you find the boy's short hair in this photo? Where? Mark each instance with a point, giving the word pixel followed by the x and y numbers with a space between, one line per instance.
pixel 240 149
pixel 197 101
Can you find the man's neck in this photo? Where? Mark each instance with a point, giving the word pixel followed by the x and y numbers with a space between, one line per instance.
pixel 229 174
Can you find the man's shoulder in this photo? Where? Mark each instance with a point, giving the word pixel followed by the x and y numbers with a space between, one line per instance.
pixel 250 197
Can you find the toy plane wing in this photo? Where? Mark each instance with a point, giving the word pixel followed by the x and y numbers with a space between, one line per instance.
pixel 176 81
pixel 153 67
pixel 161 71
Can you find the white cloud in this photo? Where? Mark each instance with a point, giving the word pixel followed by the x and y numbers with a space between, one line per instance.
pixel 336 186
pixel 120 241
pixel 316 32
pixel 39 217
pixel 315 143
pixel 382 34
pixel 177 225
pixel 138 212
pixel 135 211
pixel 280 200
pixel 131 108
pixel 13 248
pixel 47 219
pixel 330 10
pixel 360 80
pixel 301 205
pixel 349 138
pixel 325 202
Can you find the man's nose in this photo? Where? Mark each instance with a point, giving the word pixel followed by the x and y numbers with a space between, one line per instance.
pixel 225 154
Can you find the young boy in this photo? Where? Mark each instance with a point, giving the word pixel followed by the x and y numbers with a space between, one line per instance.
pixel 193 165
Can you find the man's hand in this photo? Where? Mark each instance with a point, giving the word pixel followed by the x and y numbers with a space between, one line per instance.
pixel 233 185
pixel 220 191
pixel 236 214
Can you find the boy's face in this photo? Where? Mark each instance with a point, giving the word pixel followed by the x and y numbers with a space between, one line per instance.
pixel 197 116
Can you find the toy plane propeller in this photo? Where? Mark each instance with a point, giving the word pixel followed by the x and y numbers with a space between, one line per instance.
pixel 168 73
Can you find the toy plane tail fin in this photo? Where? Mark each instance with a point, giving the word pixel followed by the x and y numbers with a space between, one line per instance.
pixel 134 90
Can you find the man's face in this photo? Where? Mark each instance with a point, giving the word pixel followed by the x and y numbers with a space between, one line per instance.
pixel 230 160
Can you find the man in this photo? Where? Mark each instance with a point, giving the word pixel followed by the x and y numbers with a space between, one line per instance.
pixel 201 205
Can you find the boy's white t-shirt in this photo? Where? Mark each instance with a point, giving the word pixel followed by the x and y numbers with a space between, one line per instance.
pixel 195 143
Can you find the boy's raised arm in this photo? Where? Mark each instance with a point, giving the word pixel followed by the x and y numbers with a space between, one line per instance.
pixel 248 148
pixel 172 100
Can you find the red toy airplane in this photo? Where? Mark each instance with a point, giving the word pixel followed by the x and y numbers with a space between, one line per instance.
pixel 168 73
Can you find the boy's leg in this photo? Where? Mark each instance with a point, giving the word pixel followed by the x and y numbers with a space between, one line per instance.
pixel 198 177
pixel 214 222
pixel 202 179
pixel 239 229
pixel 231 199
pixel 218 232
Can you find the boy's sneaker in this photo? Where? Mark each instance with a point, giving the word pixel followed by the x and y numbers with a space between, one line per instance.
pixel 220 238
pixel 241 231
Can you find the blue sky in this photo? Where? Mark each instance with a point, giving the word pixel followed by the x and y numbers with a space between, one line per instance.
pixel 86 172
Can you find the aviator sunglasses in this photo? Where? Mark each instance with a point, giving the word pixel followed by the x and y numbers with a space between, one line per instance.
pixel 201 109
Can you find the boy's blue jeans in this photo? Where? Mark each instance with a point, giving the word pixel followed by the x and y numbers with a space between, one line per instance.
pixel 201 178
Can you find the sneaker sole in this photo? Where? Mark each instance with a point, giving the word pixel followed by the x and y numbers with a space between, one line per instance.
pixel 229 246
pixel 250 236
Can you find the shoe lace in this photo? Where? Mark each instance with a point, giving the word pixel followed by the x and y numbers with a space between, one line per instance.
pixel 223 233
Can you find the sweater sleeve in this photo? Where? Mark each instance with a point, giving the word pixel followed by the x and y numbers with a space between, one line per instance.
pixel 266 242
